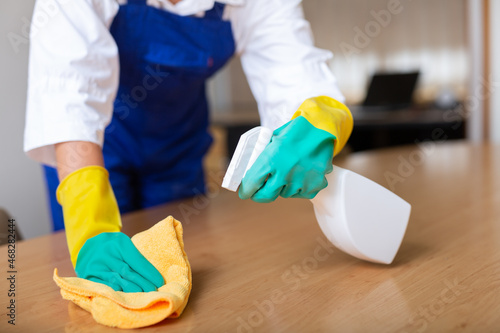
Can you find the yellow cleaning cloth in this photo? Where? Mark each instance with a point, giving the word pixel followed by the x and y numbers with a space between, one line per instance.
pixel 163 246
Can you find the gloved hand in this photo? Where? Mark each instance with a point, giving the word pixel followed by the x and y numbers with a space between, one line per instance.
pixel 295 162
pixel 99 251
pixel 112 259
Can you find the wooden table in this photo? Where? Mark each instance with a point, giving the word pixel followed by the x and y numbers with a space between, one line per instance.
pixel 268 268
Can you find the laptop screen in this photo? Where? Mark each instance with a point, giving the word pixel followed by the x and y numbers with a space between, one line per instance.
pixel 391 90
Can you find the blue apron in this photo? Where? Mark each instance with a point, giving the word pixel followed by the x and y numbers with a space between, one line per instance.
pixel 158 135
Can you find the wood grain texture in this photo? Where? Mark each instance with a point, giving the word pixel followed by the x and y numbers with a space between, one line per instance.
pixel 268 268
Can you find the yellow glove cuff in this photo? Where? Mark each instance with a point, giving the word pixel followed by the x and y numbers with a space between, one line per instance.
pixel 89 206
pixel 330 115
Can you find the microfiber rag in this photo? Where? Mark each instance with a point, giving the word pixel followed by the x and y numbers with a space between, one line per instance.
pixel 163 246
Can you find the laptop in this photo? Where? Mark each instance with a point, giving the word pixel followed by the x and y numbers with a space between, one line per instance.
pixel 390 91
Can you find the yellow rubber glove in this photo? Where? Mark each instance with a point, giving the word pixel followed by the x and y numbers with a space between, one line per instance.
pixel 89 206
pixel 328 114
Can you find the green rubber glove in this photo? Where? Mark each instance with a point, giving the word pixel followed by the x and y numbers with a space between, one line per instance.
pixel 112 259
pixel 293 164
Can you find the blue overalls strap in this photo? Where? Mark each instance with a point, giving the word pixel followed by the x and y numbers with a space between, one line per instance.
pixel 216 12
pixel 136 2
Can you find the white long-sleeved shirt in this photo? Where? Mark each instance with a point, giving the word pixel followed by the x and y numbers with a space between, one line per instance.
pixel 74 70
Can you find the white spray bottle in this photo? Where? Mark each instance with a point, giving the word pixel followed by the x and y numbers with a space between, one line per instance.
pixel 359 216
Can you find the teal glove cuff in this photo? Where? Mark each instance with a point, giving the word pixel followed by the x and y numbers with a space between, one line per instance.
pixel 293 164
pixel 112 259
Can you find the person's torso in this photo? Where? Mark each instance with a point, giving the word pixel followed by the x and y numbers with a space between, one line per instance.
pixel 165 60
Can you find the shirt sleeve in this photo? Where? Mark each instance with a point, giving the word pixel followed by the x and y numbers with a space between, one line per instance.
pixel 72 76
pixel 278 56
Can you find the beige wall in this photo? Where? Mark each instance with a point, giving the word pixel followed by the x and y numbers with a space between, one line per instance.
pixel 494 107
pixel 426 34
pixel 22 191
